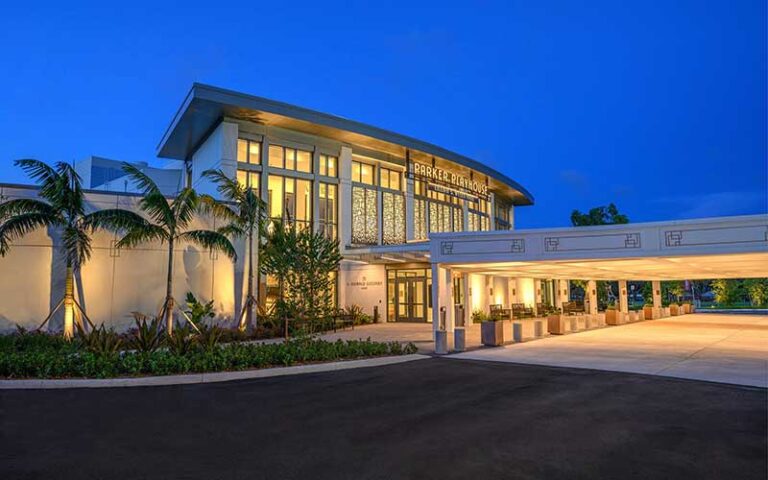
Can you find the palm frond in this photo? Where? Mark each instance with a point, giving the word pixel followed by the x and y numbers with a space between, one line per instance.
pixel 142 181
pixel 184 207
pixel 70 187
pixel 158 208
pixel 211 240
pixel 227 187
pixel 145 233
pixel 77 245
pixel 113 219
pixel 45 176
pixel 210 206
pixel 20 225
pixel 233 230
pixel 20 206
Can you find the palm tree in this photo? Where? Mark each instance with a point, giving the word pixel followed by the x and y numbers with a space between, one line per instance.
pixel 61 205
pixel 246 216
pixel 168 222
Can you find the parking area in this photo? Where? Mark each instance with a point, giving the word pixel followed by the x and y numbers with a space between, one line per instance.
pixel 712 347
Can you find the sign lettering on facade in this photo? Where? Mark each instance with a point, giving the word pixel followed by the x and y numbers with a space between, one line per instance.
pixel 440 175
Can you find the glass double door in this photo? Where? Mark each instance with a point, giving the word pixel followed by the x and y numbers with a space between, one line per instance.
pixel 411 299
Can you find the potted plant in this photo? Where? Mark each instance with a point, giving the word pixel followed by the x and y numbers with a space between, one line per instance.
pixel 648 311
pixel 557 323
pixel 491 329
pixel 675 310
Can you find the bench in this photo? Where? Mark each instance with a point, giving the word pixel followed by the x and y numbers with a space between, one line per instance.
pixel 343 320
pixel 501 313
pixel 573 308
pixel 519 310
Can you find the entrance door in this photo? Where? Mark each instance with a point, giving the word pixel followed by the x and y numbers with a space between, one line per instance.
pixel 411 299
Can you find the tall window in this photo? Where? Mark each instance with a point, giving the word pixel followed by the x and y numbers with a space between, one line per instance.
pixel 328 165
pixel 328 209
pixel 290 158
pixel 364 216
pixel 362 173
pixel 249 179
pixel 479 215
pixel 248 151
pixel 502 216
pixel 389 178
pixel 290 200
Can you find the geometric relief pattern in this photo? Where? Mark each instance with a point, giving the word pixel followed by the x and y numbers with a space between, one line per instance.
pixel 550 244
pixel 518 245
pixel 446 248
pixel 673 238
pixel 632 240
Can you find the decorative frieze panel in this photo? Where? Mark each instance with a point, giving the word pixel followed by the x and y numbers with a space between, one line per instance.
pixel 696 237
pixel 606 241
pixel 483 247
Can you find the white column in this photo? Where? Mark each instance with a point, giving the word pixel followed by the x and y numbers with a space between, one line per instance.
pixel 592 296
pixel 561 292
pixel 623 302
pixel 512 289
pixel 511 217
pixel 465 295
pixel 442 297
pixel 492 214
pixel 536 294
pixel 409 225
pixel 656 287
pixel 316 191
pixel 345 197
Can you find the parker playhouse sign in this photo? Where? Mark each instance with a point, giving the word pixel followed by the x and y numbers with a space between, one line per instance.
pixel 440 175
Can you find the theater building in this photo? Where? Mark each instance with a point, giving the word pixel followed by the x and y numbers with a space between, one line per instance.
pixel 380 193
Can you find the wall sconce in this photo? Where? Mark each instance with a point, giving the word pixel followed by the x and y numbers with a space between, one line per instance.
pixel 514 292
pixel 657 292
pixel 470 290
pixel 623 291
pixel 594 292
pixel 491 291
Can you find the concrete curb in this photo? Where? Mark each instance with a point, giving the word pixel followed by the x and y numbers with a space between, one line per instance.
pixel 195 378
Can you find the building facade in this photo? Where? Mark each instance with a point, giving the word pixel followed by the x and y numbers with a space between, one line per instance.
pixel 379 193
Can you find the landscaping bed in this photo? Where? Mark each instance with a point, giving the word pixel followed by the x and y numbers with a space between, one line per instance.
pixel 38 355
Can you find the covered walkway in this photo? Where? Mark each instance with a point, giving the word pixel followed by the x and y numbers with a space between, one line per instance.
pixel 712 347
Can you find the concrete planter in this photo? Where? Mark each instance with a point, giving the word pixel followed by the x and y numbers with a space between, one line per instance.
pixel 459 340
pixel 633 317
pixel 558 324
pixel 665 312
pixel 492 333
pixel 675 310
pixel 648 312
pixel 641 315
pixel 581 322
pixel 613 317
pixel 600 319
pixel 687 308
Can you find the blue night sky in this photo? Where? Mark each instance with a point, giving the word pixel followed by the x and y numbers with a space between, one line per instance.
pixel 658 106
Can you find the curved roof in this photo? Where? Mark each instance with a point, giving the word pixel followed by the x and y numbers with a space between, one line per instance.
pixel 205 106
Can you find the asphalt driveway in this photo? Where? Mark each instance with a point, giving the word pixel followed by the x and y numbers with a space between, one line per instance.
pixel 434 418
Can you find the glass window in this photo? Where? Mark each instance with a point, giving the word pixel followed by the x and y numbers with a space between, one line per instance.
pixel 364 216
pixel 275 196
pixel 328 165
pixel 249 179
pixel 327 209
pixel 276 156
pixel 304 161
pixel 290 159
pixel 290 200
pixel 248 151
pixel 389 178
pixel 362 173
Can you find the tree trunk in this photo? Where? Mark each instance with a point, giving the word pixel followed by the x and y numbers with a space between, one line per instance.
pixel 248 301
pixel 168 309
pixel 69 303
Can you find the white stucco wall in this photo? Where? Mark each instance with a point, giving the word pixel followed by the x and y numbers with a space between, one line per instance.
pixel 363 285
pixel 110 286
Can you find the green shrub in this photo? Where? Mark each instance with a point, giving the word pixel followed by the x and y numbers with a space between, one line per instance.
pixel 21 360
pixel 100 340
pixel 145 337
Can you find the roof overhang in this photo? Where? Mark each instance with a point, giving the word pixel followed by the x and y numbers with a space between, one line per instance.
pixel 205 106
pixel 725 247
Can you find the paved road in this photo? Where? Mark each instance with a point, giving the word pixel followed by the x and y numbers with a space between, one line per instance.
pixel 436 418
